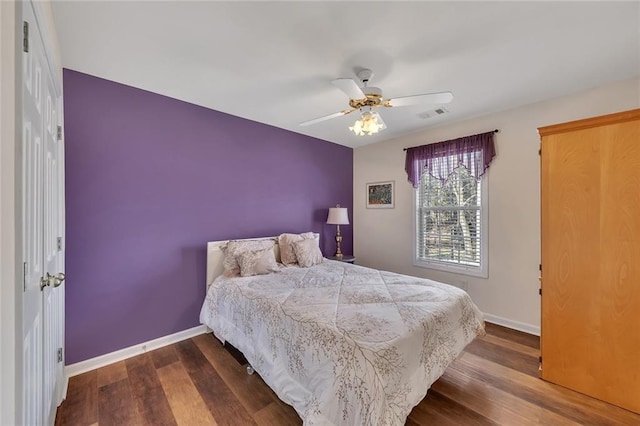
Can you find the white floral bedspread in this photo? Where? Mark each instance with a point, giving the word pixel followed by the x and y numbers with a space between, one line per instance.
pixel 344 344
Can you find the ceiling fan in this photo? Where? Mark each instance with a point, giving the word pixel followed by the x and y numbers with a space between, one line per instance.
pixel 366 98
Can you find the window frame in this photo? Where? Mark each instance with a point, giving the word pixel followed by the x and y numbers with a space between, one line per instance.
pixel 481 271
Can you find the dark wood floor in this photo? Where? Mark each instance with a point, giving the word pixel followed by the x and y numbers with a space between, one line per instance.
pixel 198 382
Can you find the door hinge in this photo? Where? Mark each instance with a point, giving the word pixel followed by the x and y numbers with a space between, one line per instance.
pixel 59 133
pixel 24 276
pixel 25 37
pixel 540 291
pixel 59 354
pixel 59 243
pixel 540 359
pixel 540 267
pixel 540 149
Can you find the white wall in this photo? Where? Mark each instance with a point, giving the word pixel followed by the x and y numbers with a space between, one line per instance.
pixel 383 237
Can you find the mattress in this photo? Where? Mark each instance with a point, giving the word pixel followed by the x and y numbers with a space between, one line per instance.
pixel 344 344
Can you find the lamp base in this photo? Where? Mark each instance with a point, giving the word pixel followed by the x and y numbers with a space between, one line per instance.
pixel 338 242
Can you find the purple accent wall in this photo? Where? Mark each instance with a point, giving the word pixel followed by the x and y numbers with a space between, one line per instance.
pixel 149 180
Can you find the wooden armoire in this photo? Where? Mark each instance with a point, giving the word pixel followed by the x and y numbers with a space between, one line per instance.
pixel 590 279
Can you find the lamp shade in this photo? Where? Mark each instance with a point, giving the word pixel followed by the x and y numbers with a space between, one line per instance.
pixel 338 216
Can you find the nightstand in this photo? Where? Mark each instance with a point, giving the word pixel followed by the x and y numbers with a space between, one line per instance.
pixel 347 258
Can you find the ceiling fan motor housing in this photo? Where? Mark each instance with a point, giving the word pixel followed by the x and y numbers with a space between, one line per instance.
pixel 373 98
pixel 372 91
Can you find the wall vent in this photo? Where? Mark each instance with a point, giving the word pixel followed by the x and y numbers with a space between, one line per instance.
pixel 432 113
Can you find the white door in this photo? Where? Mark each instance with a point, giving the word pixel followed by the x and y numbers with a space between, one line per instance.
pixel 53 294
pixel 43 317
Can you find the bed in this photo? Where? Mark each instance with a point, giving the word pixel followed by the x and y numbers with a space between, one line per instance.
pixel 343 344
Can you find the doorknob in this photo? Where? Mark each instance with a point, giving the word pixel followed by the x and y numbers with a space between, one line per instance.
pixel 51 280
pixel 57 279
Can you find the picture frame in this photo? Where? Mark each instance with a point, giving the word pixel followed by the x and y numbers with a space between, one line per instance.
pixel 380 195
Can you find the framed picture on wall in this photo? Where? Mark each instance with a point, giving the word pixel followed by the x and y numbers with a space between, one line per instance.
pixel 380 195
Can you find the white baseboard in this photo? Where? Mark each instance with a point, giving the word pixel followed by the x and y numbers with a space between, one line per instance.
pixel 110 358
pixel 516 325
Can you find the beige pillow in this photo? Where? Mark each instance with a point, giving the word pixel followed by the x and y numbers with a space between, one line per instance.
pixel 307 252
pixel 235 248
pixel 285 241
pixel 258 262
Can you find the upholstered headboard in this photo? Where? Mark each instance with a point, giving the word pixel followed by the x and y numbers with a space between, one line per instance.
pixel 214 256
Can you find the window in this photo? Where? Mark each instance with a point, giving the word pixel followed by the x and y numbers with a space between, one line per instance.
pixel 450 223
pixel 451 214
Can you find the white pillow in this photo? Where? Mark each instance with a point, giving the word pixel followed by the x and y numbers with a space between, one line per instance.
pixel 307 252
pixel 285 241
pixel 259 262
pixel 235 248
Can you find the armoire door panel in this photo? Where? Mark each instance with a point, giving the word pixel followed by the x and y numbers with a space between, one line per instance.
pixel 620 266
pixel 570 260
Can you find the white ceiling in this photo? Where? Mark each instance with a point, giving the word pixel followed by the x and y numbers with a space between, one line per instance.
pixel 272 62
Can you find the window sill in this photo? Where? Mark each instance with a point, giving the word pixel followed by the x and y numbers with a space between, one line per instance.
pixel 461 270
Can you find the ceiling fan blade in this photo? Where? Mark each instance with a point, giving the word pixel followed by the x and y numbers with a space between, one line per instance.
pixel 428 98
pixel 326 117
pixel 349 87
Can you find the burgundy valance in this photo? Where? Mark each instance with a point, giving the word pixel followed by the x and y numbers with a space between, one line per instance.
pixel 442 158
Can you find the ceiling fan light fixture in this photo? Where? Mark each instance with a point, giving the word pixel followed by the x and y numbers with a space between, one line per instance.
pixel 370 123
